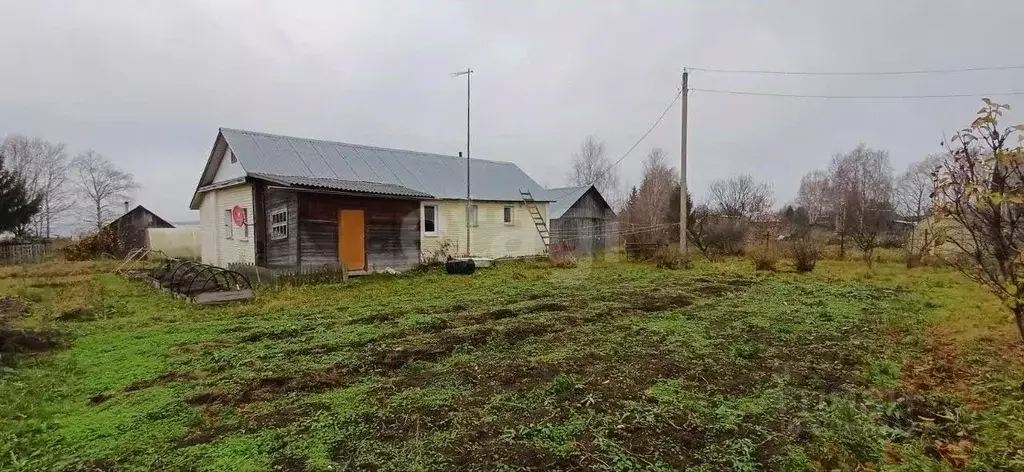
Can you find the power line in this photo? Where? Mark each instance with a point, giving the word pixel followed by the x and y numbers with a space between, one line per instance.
pixel 655 125
pixel 869 97
pixel 901 72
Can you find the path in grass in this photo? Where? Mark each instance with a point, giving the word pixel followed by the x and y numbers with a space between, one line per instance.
pixel 609 366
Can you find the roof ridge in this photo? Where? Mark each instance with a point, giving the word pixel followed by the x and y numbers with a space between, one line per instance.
pixel 364 146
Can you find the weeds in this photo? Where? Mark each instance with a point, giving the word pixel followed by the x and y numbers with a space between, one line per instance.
pixel 669 257
pixel 522 367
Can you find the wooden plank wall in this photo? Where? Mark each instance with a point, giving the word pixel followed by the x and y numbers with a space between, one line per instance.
pixel 587 226
pixel 282 253
pixel 392 230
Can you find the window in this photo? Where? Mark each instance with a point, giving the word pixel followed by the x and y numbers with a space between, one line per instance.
pixel 233 158
pixel 474 212
pixel 430 219
pixel 227 224
pixel 507 217
pixel 279 224
pixel 245 223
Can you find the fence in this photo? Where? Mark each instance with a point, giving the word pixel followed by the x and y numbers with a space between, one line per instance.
pixel 29 253
pixel 306 275
pixel 181 243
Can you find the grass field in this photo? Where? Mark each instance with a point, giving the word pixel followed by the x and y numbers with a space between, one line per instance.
pixel 608 366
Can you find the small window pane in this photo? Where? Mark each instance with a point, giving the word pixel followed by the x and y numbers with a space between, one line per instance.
pixel 227 224
pixel 429 218
pixel 508 215
pixel 279 224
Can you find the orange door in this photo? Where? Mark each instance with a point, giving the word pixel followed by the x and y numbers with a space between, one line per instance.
pixel 352 239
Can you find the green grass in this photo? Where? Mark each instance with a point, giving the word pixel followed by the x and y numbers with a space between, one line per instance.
pixel 608 366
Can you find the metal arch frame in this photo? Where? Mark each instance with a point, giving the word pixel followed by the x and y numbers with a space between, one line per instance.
pixel 203 269
pixel 236 276
pixel 174 272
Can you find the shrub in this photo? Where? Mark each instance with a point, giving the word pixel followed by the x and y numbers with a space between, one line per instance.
pixel 445 251
pixel 805 253
pixel 724 237
pixel 103 243
pixel 764 258
pixel 669 257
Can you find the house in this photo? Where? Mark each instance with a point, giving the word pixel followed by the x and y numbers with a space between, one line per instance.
pixel 581 219
pixel 285 202
pixel 131 227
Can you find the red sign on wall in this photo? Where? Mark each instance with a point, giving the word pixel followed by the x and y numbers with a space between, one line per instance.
pixel 238 215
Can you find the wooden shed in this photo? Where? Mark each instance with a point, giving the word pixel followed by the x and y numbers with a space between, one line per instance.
pixel 132 226
pixel 581 219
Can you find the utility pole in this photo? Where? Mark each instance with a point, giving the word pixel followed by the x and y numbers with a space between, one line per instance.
pixel 682 166
pixel 468 72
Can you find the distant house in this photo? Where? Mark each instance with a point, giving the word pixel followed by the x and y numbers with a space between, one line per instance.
pixel 581 219
pixel 131 227
pixel 286 202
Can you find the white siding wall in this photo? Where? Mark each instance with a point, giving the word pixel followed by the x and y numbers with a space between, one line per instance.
pixel 228 170
pixel 218 249
pixel 491 237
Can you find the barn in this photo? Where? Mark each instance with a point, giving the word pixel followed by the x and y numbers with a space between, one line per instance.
pixel 581 219
pixel 131 227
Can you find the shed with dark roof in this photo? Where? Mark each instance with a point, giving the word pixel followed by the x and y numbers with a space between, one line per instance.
pixel 581 219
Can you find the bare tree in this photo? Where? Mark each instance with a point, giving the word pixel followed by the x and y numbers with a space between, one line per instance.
pixel 861 182
pixel 102 187
pixel 814 195
pixel 648 212
pixel 914 188
pixel 44 167
pixel 591 165
pixel 741 196
pixel 979 205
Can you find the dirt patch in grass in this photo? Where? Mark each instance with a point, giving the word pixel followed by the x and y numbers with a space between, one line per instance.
pixel 28 341
pixel 548 305
pixel 14 341
pixel 500 314
pixel 269 388
pixel 77 314
pixel 276 335
pixel 660 301
pixel 425 348
pixel 11 309
pixel 165 378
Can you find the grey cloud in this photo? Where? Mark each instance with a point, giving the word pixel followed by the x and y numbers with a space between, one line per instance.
pixel 148 82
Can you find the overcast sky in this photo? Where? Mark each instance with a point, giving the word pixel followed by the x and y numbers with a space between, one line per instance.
pixel 147 83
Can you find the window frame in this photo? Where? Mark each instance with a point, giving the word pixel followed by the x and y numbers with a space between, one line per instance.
pixel 511 211
pixel 272 226
pixel 245 224
pixel 228 224
pixel 436 219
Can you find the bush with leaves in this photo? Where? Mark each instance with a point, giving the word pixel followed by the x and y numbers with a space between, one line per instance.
pixel 103 243
pixel 979 205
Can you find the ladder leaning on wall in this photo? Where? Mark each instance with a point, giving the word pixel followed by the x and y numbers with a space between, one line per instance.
pixel 538 219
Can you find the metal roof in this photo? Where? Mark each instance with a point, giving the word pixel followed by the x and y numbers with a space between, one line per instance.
pixel 343 185
pixel 440 176
pixel 563 198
